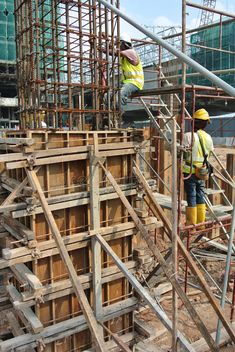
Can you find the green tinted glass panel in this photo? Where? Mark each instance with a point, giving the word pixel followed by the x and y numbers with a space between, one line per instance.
pixel 214 60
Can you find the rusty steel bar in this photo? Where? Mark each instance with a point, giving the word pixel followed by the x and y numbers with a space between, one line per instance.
pixel 64 78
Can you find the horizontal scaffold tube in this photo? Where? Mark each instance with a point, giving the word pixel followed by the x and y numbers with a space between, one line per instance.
pixel 183 57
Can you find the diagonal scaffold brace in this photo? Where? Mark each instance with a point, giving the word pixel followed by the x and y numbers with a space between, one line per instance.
pixel 159 213
pixel 166 267
pixel 77 286
pixel 143 293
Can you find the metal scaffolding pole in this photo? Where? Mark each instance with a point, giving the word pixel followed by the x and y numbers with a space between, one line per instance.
pixel 226 274
pixel 184 58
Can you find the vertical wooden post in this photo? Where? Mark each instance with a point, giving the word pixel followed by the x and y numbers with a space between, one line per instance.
pixel 231 170
pixel 77 286
pixel 95 224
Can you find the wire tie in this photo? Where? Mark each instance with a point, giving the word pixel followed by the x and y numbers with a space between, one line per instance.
pixel 174 274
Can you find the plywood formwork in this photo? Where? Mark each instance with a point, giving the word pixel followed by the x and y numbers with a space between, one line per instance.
pixel 40 289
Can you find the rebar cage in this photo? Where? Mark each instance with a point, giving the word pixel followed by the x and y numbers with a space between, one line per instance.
pixel 68 66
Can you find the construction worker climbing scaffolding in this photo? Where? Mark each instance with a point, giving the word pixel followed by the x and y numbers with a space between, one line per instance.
pixel 196 168
pixel 132 79
pixel 132 70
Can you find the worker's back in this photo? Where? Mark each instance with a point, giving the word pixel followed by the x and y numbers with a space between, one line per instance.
pixel 197 155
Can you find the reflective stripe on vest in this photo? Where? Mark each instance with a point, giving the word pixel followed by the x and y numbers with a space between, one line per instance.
pixel 132 74
pixel 197 153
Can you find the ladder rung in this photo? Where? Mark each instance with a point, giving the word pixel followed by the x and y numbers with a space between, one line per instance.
pixel 210 191
pixel 222 208
pixel 157 104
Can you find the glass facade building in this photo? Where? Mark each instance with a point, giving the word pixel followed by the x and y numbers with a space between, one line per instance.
pixel 7 31
pixel 218 37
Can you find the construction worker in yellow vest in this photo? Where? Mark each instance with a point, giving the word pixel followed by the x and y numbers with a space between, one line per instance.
pixel 132 70
pixel 195 162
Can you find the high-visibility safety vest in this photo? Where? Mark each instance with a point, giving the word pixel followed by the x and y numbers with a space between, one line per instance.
pixel 132 74
pixel 197 153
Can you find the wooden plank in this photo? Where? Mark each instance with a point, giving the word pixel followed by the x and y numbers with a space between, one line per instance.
pixel 124 347
pixel 166 268
pixel 64 151
pixel 65 201
pixel 17 330
pixel 51 252
pixel 95 225
pixel 143 293
pixel 10 184
pixel 15 193
pixel 21 270
pixel 78 239
pixel 157 211
pixel 63 158
pixel 154 274
pixel 17 141
pixel 15 327
pixel 201 346
pixel 46 161
pixel 128 338
pixel 68 327
pixel 64 287
pixel 78 289
pixel 27 316
pixel 16 228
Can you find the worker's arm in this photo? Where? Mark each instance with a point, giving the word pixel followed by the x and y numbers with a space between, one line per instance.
pixel 131 56
pixel 187 144
pixel 210 146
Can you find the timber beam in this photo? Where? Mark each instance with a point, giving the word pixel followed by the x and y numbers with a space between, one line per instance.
pixel 144 293
pixel 158 212
pixel 26 314
pixel 10 184
pixel 68 327
pixel 17 330
pixel 166 268
pixel 78 289
pixel 80 240
pixel 64 287
pixel 17 141
pixel 17 229
pixel 39 158
pixel 25 276
pixel 64 201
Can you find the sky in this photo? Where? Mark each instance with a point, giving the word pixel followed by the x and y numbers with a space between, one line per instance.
pixel 164 13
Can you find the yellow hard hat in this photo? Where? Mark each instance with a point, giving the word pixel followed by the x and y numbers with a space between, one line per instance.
pixel 201 114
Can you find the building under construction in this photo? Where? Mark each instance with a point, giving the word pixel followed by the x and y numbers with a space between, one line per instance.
pixel 95 251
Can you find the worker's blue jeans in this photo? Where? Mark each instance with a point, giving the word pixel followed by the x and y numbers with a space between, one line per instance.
pixel 195 190
pixel 126 91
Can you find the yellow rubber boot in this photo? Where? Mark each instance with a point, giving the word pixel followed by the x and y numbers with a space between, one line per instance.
pixel 191 215
pixel 201 213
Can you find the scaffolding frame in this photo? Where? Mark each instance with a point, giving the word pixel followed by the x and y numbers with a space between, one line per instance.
pixel 63 73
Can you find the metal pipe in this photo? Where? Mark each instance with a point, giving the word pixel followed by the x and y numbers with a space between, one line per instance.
pixel 174 234
pixel 155 173
pixel 210 48
pixel 222 97
pixel 184 58
pixel 223 168
pixel 202 28
pixel 226 274
pixel 210 9
pixel 217 72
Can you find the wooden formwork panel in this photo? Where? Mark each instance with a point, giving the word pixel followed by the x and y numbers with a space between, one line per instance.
pixel 64 178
